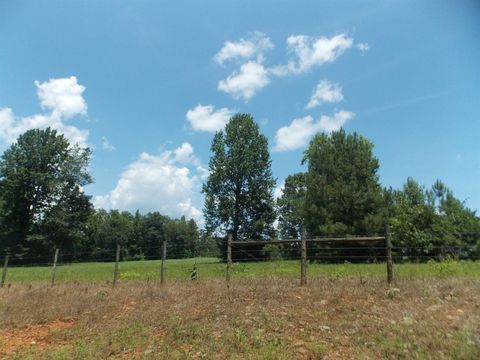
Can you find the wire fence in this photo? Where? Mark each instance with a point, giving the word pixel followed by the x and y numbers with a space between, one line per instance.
pixel 407 253
pixel 348 250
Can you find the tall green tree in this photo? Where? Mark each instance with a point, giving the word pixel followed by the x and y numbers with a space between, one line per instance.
pixel 239 189
pixel 343 193
pixel 41 180
pixel 291 206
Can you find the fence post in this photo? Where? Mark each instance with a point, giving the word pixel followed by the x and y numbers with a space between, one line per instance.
pixel 54 266
pixel 117 259
pixel 388 249
pixel 164 257
pixel 229 256
pixel 4 273
pixel 303 261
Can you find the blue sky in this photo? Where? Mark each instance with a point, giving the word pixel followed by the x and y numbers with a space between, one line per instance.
pixel 145 84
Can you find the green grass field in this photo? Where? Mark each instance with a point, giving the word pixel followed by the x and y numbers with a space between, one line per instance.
pixel 210 268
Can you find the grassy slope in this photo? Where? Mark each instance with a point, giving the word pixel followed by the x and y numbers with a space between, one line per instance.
pixel 210 268
pixel 255 318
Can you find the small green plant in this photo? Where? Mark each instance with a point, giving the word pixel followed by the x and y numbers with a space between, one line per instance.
pixel 446 267
pixel 338 273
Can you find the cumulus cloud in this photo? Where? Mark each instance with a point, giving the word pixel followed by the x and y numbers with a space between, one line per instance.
pixel 166 182
pixel 11 127
pixel 256 44
pixel 305 52
pixel 308 52
pixel 244 83
pixel 296 134
pixel 63 99
pixel 335 122
pixel 325 92
pixel 184 154
pixel 63 96
pixel 206 118
pixel 301 130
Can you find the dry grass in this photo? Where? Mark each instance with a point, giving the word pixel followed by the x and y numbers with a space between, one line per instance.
pixel 269 318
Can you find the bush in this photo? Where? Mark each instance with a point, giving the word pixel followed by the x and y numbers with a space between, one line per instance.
pixel 272 252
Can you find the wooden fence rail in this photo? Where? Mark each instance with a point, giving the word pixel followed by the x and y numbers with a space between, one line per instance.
pixel 386 240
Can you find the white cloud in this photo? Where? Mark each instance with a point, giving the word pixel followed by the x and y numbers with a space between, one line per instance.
pixel 206 118
pixel 166 182
pixel 278 191
pixel 12 127
pixel 325 92
pixel 301 130
pixel 256 44
pixel 244 83
pixel 106 145
pixel 335 122
pixel 64 98
pixel 363 47
pixel 306 52
pixel 184 154
pixel 309 52
pixel 296 134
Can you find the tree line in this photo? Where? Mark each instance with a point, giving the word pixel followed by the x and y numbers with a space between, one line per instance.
pixel 43 205
pixel 339 194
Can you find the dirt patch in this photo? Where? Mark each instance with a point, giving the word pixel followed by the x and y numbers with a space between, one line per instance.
pixel 17 341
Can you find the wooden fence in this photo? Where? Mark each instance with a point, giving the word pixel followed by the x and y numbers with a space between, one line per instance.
pixel 386 240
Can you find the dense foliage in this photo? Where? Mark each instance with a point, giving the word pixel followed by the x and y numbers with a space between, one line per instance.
pixel 43 207
pixel 343 192
pixel 433 222
pixel 141 236
pixel 290 207
pixel 340 194
pixel 239 189
pixel 42 202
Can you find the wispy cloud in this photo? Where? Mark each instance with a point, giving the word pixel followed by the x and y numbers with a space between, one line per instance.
pixel 404 102
pixel 309 52
pixel 106 145
pixel 243 49
pixel 363 47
